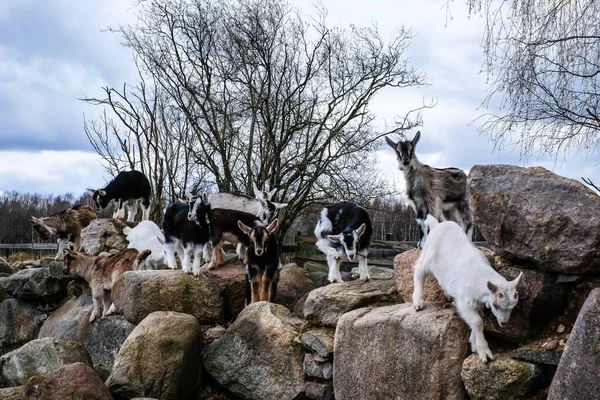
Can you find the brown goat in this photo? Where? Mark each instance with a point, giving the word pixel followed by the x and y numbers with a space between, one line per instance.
pixel 101 272
pixel 67 224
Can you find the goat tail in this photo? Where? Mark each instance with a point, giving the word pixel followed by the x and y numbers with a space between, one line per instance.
pixel 431 221
pixel 140 260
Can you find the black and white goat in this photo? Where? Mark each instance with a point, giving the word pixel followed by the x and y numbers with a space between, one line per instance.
pixel 262 267
pixel 185 236
pixel 344 228
pixel 443 193
pixel 126 189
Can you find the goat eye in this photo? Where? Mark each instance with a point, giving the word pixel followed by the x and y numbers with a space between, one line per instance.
pixel 500 296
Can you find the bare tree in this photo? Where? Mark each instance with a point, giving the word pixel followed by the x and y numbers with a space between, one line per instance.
pixel 543 65
pixel 266 96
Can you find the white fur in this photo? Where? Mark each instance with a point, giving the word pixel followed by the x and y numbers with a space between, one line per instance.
pixel 147 235
pixel 463 272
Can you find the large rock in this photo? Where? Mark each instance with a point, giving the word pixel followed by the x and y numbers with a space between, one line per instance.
pixel 103 341
pixel 73 381
pixel 403 271
pixel 534 215
pixel 395 352
pixel 325 305
pixel 578 373
pixel 503 378
pixel 231 278
pixel 292 285
pixel 40 356
pixel 160 358
pixel 70 322
pixel 540 300
pixel 13 393
pixel 18 324
pixel 257 358
pixel 36 284
pixel 136 294
pixel 103 235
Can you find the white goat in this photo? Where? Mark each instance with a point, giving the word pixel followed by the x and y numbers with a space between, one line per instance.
pixel 148 236
pixel 465 274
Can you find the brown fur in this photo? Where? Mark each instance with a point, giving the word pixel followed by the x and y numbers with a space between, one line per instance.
pixel 67 224
pixel 101 272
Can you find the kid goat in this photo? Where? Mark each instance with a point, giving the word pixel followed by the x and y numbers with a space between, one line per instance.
pixel 101 272
pixel 465 274
pixel 262 268
pixel 67 224
pixel 184 236
pixel 344 227
pixel 442 193
pixel 127 188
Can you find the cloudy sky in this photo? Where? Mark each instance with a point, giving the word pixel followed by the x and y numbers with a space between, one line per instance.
pixel 54 52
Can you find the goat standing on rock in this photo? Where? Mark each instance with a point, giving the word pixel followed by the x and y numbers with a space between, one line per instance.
pixel 67 224
pixel 262 268
pixel 187 233
pixel 344 228
pixel 126 189
pixel 464 274
pixel 442 193
pixel 101 272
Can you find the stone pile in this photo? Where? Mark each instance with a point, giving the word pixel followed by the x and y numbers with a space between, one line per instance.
pixel 178 336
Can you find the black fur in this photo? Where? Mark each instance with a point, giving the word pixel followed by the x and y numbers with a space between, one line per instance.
pixel 127 185
pixel 345 218
pixel 177 225
pixel 226 221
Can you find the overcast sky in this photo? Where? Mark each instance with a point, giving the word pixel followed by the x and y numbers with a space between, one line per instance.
pixel 53 52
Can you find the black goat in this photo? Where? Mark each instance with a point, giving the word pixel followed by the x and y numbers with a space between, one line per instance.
pixel 262 268
pixel 126 189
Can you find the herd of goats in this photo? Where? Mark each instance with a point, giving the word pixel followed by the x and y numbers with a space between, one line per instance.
pixel 195 228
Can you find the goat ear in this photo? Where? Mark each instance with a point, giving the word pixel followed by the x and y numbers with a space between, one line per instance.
pixel 390 143
pixel 244 228
pixel 360 230
pixel 68 253
pixel 416 138
pixel 270 194
pixel 518 280
pixel 272 225
pixel 493 288
pixel 257 193
pixel 91 190
pixel 279 206
pixel 205 199
pixel 33 219
pixel 102 192
pixel 334 238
